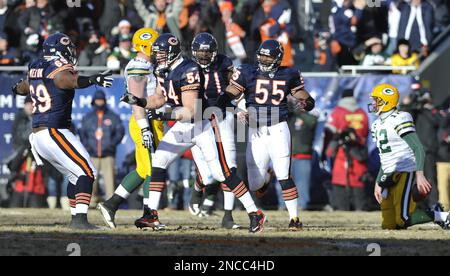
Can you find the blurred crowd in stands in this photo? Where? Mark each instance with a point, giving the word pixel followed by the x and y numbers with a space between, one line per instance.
pixel 318 35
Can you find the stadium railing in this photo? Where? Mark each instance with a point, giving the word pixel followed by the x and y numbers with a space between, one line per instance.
pixel 355 69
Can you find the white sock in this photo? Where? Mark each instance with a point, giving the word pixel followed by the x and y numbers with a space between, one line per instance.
pixel 440 216
pixel 73 211
pixel 208 202
pixel 292 207
pixel 120 191
pixel 153 200
pixel 248 203
pixel 228 198
pixel 82 209
pixel 146 201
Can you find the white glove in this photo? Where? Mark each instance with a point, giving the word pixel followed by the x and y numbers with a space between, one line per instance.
pixel 285 17
pixel 147 138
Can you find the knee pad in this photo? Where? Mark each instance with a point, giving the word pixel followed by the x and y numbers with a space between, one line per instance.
pixel 159 177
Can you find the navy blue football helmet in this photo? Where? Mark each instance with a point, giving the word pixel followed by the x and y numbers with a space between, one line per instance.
pixel 204 49
pixel 269 56
pixel 62 46
pixel 166 50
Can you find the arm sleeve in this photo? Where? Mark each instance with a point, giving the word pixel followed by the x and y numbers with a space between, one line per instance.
pixel 297 83
pixel 238 79
pixel 414 143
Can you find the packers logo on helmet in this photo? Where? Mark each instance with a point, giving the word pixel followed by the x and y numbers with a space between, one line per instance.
pixel 143 40
pixel 385 97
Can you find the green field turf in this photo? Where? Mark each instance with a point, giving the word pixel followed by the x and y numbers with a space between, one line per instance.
pixel 44 232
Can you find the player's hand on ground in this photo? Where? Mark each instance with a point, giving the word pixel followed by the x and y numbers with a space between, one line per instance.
pixel 147 138
pixel 423 185
pixel 103 79
pixel 378 193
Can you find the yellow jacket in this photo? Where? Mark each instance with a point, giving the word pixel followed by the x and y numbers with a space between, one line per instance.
pixel 397 60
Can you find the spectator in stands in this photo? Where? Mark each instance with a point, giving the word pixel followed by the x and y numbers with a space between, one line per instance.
pixel 29 188
pixel 374 54
pixel 161 15
pixel 8 56
pixel 101 132
pixel 442 15
pixel 427 119
pixel 37 22
pixel 115 11
pixel 416 25
pixel 211 19
pixel 343 23
pixel 403 56
pixel 277 24
pixel 443 165
pixel 394 15
pixel 234 33
pixel 348 129
pixel 303 128
pixel 96 51
pixel 122 54
pixel 123 29
pixel 7 18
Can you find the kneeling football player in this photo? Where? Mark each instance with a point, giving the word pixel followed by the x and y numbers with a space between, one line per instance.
pixel 401 181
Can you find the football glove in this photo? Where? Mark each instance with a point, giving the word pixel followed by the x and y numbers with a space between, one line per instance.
pixel 133 100
pixel 103 79
pixel 147 138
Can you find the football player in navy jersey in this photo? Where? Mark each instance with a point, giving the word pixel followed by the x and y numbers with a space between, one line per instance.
pixel 181 85
pixel 218 70
pixel 266 87
pixel 52 81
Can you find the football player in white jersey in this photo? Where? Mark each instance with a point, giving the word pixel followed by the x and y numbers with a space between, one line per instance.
pixel 401 182
pixel 145 133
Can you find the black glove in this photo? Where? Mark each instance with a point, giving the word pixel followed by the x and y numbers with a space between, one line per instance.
pixel 133 100
pixel 159 116
pixel 103 79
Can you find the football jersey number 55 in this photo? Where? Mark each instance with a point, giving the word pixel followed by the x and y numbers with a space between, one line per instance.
pixel 42 101
pixel 262 93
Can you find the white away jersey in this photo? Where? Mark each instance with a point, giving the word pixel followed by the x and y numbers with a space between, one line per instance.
pixel 140 67
pixel 395 154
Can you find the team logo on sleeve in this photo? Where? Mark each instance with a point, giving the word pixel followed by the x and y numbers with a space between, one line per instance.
pixel 146 36
pixel 388 91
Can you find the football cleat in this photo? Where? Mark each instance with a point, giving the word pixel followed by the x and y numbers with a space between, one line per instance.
pixel 228 223
pixel 80 222
pixel 195 202
pixel 108 215
pixel 295 225
pixel 257 220
pixel 149 220
pixel 446 224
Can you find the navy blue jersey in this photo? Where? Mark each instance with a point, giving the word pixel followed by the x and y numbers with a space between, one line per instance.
pixel 265 94
pixel 217 78
pixel 52 107
pixel 187 76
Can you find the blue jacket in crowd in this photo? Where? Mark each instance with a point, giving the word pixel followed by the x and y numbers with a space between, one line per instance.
pixel 101 136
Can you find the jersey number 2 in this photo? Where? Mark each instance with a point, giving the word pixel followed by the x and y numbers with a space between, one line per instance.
pixel 383 142
pixel 42 101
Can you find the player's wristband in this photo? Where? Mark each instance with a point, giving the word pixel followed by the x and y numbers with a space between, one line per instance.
pixel 310 104
pixel 83 82
pixel 141 102
pixel 143 124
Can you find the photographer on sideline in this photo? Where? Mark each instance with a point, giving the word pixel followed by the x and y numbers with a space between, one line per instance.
pixel 420 105
pixel 345 141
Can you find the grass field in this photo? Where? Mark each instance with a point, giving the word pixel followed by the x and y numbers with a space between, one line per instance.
pixel 44 232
